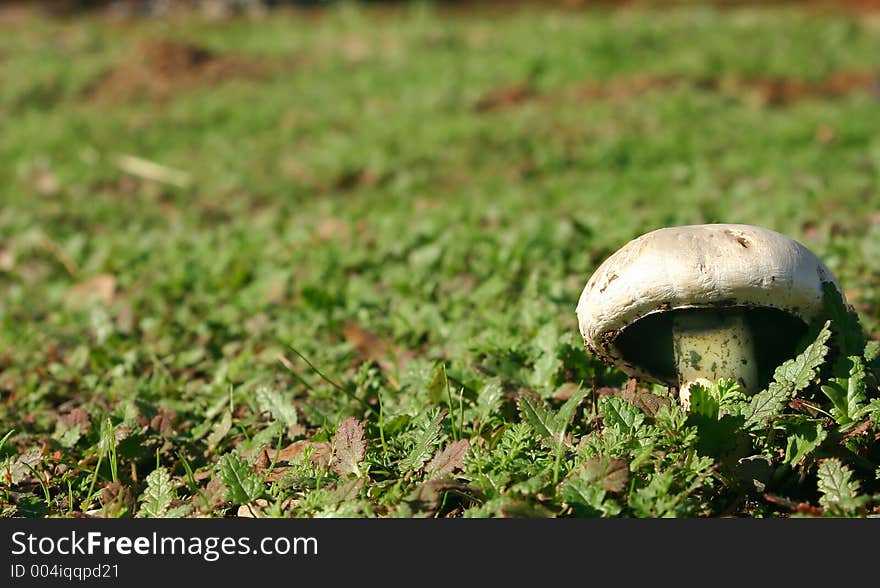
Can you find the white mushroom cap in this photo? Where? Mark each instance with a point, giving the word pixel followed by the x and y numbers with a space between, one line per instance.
pixel 699 266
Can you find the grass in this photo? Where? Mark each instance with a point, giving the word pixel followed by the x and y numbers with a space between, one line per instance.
pixel 361 301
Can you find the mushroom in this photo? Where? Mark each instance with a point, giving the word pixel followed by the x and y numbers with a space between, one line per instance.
pixel 689 304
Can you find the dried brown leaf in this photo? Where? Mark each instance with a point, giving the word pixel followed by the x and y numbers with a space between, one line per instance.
pixel 566 391
pixel 449 459
pixel 859 429
pixel 163 422
pixel 255 510
pixel 611 471
pixel 320 456
pixel 102 287
pixel 641 398
pixel 368 344
pixel 115 496
pixel 21 466
pixel 349 447
pixel 296 430
pixel 276 474
pixel 77 417
pixel 424 499
pixel 291 452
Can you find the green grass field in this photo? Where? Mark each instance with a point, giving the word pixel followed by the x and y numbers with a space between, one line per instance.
pixel 346 284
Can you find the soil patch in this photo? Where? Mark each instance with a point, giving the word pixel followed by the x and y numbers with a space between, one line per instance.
pixel 628 87
pixel 784 91
pixel 768 91
pixel 505 97
pixel 159 68
pixel 765 91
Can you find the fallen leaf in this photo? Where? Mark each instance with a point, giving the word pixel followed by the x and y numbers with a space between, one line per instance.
pixel 368 344
pixel 20 467
pixel 611 471
pixel 332 229
pixel 77 417
pixel 566 391
pixel 163 422
pixel 641 398
pixel 256 509
pixel 449 459
pixel 101 286
pixel 7 258
pixel 859 429
pixel 424 499
pixel 118 496
pixel 294 431
pixel 349 447
pixel 320 452
pixel 322 455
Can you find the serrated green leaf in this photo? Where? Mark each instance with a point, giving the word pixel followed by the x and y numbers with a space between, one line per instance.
pixel 840 493
pixel 158 495
pixel 703 402
pixel 847 395
pixel 536 413
pixel 567 410
pixel 243 485
pixel 804 436
pixel 797 373
pixel 791 377
pixel 873 410
pixel 547 364
pixel 544 370
pixel 872 351
pixel 617 412
pixel 767 403
pixel 730 396
pixel 658 498
pixel 547 423
pixel 717 434
pixel 849 336
pixel 587 499
pixel 424 440
pixel 272 402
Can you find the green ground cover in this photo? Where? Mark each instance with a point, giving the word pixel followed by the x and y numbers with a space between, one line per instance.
pixel 356 295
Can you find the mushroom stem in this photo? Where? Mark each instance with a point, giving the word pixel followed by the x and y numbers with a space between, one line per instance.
pixel 710 345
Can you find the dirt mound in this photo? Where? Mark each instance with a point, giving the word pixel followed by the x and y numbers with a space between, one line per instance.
pixel 158 69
